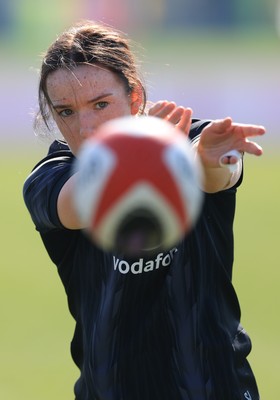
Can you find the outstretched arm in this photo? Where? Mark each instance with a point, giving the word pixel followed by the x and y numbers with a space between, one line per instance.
pixel 216 140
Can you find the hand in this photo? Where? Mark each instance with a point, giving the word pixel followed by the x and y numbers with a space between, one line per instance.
pixel 221 136
pixel 180 116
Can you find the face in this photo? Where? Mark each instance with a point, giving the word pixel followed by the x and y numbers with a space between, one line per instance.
pixel 85 98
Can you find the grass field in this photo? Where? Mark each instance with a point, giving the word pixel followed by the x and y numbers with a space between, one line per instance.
pixel 36 328
pixel 257 271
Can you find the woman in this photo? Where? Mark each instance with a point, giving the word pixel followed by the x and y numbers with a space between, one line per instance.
pixel 173 333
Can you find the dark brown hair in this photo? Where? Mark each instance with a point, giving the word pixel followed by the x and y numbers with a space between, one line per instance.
pixel 89 43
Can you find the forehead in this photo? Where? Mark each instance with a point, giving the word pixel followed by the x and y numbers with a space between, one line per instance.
pixel 81 78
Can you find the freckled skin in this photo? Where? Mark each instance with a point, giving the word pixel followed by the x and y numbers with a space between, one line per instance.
pixel 85 98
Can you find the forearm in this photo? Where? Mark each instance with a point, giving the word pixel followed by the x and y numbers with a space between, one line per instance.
pixel 65 206
pixel 217 178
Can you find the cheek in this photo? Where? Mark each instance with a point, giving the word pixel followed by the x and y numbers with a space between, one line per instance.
pixel 66 127
pixel 69 133
pixel 70 137
pixel 74 142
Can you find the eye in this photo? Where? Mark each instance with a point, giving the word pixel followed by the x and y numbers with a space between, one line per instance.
pixel 101 104
pixel 65 113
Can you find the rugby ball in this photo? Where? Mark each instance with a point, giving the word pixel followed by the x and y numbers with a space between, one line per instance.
pixel 138 185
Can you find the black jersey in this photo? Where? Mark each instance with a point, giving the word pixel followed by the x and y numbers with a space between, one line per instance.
pixel 157 328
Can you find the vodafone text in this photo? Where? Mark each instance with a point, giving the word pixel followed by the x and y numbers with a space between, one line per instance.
pixel 142 265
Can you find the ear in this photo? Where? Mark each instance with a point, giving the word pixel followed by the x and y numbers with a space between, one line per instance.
pixel 136 97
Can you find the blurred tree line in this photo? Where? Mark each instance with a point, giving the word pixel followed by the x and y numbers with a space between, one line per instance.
pixel 7 15
pixel 144 14
pixel 220 13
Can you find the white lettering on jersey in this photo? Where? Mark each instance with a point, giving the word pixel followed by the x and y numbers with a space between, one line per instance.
pixel 247 395
pixel 141 265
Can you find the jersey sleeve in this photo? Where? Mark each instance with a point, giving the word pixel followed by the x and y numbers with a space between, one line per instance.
pixel 196 128
pixel 42 187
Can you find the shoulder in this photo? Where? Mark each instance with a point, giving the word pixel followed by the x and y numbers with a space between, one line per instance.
pixel 58 146
pixel 58 155
pixel 57 152
pixel 54 168
pixel 41 188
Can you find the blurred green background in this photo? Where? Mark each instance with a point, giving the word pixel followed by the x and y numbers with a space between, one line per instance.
pixel 221 59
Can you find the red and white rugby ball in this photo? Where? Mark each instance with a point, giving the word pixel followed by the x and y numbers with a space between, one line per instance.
pixel 138 186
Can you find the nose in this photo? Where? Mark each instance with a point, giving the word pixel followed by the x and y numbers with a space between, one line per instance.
pixel 86 126
pixel 86 132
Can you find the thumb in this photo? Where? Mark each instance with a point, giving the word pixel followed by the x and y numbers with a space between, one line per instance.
pixel 220 125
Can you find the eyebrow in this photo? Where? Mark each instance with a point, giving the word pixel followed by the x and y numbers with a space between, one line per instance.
pixel 102 96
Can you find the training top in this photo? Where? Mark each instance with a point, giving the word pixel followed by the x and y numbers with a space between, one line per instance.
pixel 165 327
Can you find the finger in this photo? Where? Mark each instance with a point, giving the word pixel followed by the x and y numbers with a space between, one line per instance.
pixel 252 148
pixel 180 116
pixel 166 110
pixel 185 121
pixel 155 108
pixel 220 125
pixel 175 116
pixel 249 130
pixel 162 109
